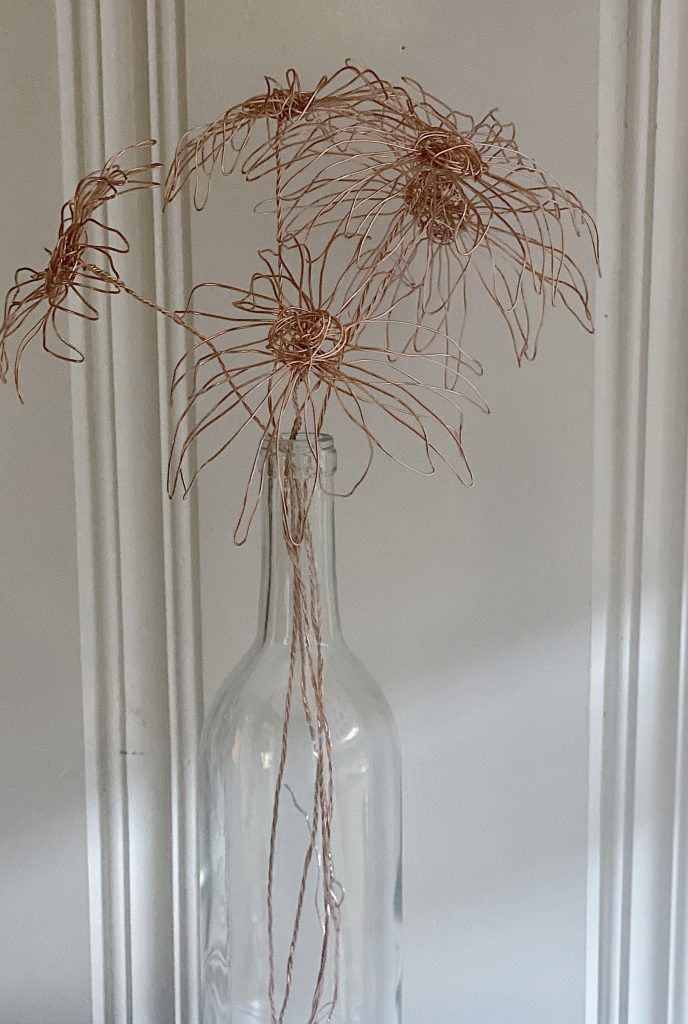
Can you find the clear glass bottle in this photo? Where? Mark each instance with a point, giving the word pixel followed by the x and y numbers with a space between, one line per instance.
pixel 345 895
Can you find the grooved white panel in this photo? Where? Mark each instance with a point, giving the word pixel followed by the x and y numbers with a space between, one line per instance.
pixel 44 940
pixel 122 80
pixel 637 856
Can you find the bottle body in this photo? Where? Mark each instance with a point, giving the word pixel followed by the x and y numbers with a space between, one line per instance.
pixel 300 811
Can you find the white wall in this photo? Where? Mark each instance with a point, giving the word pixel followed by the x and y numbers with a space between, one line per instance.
pixel 44 959
pixel 477 603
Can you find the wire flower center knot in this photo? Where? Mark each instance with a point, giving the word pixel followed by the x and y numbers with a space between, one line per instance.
pixel 437 203
pixel 308 339
pixel 62 265
pixel 449 151
pixel 279 103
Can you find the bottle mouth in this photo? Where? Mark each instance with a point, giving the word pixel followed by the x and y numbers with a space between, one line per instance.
pixel 304 451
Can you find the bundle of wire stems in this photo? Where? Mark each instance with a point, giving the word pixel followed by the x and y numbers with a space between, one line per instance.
pixel 390 207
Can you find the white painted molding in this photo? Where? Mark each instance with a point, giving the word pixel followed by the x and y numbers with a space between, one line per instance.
pixel 122 79
pixel 638 868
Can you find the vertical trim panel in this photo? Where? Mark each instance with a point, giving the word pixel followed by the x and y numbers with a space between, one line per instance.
pixel 637 864
pixel 122 78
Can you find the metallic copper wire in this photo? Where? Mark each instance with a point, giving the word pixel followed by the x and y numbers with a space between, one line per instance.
pixel 81 264
pixel 443 201
pixel 301 117
pixel 303 334
pixel 306 655
pixel 389 207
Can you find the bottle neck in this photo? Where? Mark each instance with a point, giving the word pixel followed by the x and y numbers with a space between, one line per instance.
pixel 298 578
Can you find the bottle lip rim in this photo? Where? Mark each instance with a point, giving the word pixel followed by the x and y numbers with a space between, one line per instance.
pixel 303 443
pixel 301 452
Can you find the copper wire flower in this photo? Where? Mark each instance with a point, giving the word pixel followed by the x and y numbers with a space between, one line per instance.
pixel 387 204
pixel 298 125
pixel 80 265
pixel 302 336
pixel 433 195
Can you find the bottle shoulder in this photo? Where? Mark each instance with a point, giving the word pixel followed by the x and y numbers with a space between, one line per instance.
pixel 253 695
